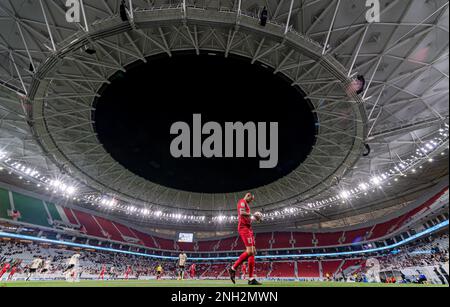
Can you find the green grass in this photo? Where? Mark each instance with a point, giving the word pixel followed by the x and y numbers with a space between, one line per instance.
pixel 194 283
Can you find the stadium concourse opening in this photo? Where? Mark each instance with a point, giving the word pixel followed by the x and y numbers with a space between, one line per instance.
pixel 135 112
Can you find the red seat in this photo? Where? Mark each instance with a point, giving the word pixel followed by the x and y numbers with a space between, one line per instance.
pixel 207 246
pixel 282 240
pixel 124 230
pixel 330 267
pixel 187 247
pixel 263 240
pixel 165 243
pixel 109 228
pixel 70 216
pixel 328 238
pixel 146 239
pixel 308 269
pixel 226 244
pixel 283 269
pixel 303 239
pixel 89 224
pixel 356 236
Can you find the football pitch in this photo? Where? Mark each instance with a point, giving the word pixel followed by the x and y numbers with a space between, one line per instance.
pixel 196 283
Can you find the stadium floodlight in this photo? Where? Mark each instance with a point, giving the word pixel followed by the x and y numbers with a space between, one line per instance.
pixel 70 190
pixel 345 194
pixel 363 186
pixel 376 180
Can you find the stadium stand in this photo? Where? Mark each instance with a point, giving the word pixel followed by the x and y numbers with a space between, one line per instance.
pixel 356 236
pixel 308 269
pixel 47 214
pixel 89 223
pixel 330 266
pixel 32 210
pixel 264 240
pixel 282 240
pixel 328 239
pixel 409 257
pixel 282 269
pixel 302 239
pixel 4 204
pixel 108 229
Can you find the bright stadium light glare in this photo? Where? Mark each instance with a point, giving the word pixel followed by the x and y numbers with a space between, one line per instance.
pixel 376 180
pixel 345 194
pixel 363 186
pixel 70 190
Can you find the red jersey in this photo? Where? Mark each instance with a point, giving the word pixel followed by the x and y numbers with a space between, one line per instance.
pixel 244 221
pixel 6 267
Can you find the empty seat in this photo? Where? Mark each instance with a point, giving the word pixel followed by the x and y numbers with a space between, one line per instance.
pixel 308 269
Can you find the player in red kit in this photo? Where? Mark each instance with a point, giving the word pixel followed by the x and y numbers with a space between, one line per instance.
pixel 14 268
pixel 192 271
pixel 102 273
pixel 128 272
pixel 246 234
pixel 5 268
pixel 244 270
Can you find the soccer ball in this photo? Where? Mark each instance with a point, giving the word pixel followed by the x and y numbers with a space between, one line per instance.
pixel 258 216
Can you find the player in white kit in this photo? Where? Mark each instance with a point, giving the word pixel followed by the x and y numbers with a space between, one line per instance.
pixel 46 267
pixel 373 270
pixel 36 264
pixel 71 272
pixel 182 259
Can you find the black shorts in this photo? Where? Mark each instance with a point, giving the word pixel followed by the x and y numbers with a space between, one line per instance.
pixel 158 273
pixel 70 266
pixel 33 270
pixel 181 267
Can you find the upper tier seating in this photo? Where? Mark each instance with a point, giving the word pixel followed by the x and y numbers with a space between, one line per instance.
pixel 31 210
pixel 226 244
pixel 4 204
pixel 328 238
pixel 303 239
pixel 89 223
pixel 282 240
pixel 108 227
pixel 356 236
pixel 263 240
pixel 165 243
pixel 187 247
pixel 207 245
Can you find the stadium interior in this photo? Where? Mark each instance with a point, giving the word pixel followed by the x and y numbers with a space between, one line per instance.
pixel 90 92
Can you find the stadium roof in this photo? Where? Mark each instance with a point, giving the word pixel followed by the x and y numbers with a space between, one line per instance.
pixel 50 77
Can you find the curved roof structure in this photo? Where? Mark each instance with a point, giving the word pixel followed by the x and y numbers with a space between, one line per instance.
pixel 370 147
